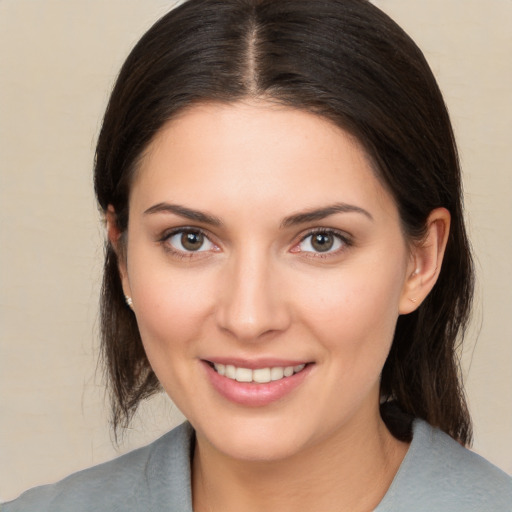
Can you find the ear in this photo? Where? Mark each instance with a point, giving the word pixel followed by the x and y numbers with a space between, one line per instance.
pixel 115 238
pixel 426 260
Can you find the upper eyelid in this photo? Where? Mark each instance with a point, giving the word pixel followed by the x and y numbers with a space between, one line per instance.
pixel 167 233
pixel 337 232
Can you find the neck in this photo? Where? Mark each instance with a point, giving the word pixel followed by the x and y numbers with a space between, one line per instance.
pixel 349 471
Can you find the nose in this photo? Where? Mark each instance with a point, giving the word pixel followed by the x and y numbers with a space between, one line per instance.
pixel 251 303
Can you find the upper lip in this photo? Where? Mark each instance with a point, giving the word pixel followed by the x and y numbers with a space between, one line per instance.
pixel 254 364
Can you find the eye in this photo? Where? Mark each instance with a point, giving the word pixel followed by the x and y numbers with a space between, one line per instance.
pixel 321 242
pixel 189 240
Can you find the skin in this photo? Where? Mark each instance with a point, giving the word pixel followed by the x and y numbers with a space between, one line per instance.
pixel 257 288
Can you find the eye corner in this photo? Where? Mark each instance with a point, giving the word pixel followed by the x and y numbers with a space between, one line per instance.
pixel 296 248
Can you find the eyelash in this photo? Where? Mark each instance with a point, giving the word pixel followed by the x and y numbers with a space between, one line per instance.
pixel 345 240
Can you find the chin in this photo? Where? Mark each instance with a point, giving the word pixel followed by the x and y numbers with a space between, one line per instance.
pixel 258 439
pixel 264 447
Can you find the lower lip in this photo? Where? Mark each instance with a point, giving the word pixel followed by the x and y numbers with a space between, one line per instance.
pixel 252 394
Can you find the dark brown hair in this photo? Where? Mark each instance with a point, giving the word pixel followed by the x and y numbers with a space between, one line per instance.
pixel 341 59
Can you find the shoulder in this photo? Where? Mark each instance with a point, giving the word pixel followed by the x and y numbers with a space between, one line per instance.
pixel 440 474
pixel 139 480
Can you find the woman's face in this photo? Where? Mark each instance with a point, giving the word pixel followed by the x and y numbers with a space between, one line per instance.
pixel 267 265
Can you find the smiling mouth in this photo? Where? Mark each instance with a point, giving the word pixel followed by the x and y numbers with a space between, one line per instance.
pixel 259 375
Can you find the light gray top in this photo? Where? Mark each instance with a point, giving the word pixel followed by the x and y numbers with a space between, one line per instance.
pixel 437 474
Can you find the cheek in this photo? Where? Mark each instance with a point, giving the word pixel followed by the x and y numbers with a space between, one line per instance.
pixel 171 306
pixel 353 312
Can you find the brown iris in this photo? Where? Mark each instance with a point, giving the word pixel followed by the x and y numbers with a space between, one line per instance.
pixel 322 242
pixel 192 240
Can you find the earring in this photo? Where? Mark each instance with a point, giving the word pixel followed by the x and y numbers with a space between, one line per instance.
pixel 129 301
pixel 413 300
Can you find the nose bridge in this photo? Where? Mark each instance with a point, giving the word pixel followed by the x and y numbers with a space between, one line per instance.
pixel 251 303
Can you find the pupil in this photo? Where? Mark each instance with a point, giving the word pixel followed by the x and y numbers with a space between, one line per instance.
pixel 322 242
pixel 192 241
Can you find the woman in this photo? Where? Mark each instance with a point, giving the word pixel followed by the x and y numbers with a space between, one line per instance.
pixel 287 258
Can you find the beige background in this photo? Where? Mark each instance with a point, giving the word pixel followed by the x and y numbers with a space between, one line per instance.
pixel 58 60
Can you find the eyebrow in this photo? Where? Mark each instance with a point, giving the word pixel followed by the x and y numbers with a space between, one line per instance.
pixel 322 213
pixel 187 213
pixel 292 220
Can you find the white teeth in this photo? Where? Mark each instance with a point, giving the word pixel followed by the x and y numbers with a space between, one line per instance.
pixel 260 375
pixel 276 373
pixel 243 375
pixel 230 371
pixel 288 371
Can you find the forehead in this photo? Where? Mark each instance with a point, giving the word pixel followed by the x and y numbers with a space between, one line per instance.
pixel 256 154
